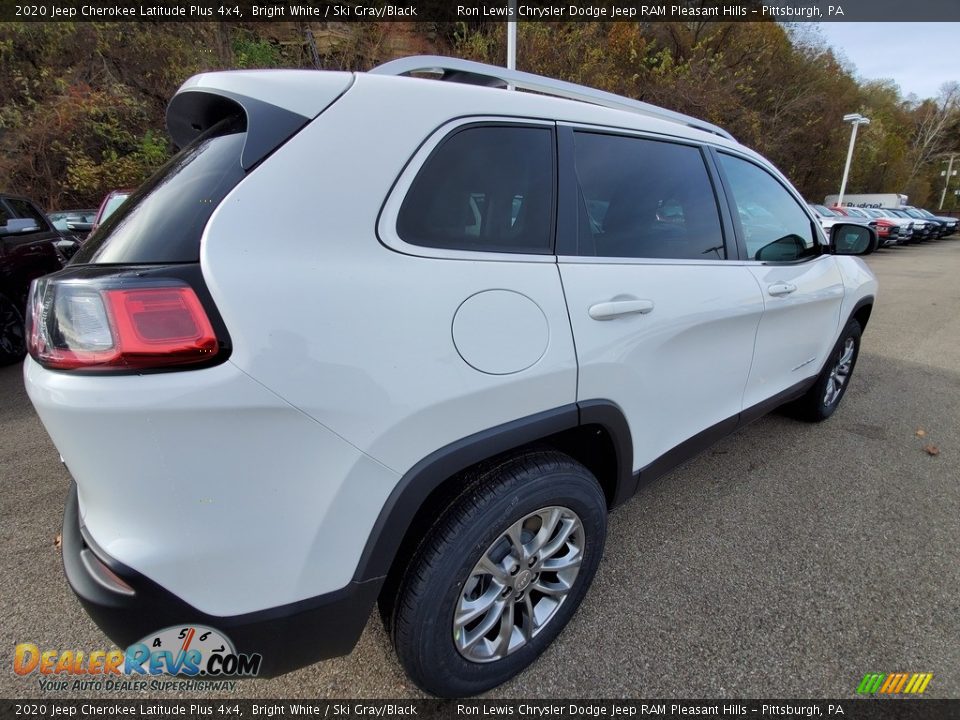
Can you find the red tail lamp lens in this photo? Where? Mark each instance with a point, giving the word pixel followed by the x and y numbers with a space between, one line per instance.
pixel 76 326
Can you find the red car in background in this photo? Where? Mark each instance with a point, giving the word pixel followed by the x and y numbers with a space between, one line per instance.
pixel 113 200
pixel 887 230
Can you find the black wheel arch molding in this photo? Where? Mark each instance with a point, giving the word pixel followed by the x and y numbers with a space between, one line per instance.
pixel 863 304
pixel 427 476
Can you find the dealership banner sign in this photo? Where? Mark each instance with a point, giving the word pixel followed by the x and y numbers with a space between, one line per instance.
pixel 480 10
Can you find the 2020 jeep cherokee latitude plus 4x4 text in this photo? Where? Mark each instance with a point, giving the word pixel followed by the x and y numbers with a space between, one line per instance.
pixel 328 356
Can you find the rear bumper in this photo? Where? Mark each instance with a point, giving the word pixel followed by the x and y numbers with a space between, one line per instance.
pixel 128 606
pixel 211 486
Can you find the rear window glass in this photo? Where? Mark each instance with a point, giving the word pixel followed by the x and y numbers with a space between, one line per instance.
pixel 163 220
pixel 486 188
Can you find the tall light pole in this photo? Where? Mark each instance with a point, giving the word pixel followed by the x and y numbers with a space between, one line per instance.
pixel 512 38
pixel 855 119
pixel 946 181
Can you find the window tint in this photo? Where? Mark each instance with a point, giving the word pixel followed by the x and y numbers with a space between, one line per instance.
pixel 775 227
pixel 645 199
pixel 484 188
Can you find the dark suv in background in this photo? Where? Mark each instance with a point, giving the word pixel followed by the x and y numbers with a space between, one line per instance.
pixel 28 249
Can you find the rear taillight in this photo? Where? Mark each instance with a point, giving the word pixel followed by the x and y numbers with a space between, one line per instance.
pixel 99 325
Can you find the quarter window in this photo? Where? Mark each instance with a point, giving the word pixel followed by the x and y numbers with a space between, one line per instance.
pixel 775 227
pixel 645 198
pixel 485 188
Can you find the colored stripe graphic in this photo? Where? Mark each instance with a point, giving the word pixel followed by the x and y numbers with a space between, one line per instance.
pixel 894 683
pixel 871 683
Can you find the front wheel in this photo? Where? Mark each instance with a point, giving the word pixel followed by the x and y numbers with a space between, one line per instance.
pixel 500 575
pixel 824 397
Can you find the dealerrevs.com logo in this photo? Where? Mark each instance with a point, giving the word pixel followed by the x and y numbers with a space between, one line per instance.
pixel 190 651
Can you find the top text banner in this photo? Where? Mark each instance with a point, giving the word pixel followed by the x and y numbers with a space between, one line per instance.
pixel 481 10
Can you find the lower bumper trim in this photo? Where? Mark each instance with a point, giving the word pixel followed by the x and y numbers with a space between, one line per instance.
pixel 288 637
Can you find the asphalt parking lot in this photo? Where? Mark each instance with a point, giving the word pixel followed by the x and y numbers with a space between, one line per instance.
pixel 787 561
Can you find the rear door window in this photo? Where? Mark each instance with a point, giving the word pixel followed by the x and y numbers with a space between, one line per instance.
pixel 643 198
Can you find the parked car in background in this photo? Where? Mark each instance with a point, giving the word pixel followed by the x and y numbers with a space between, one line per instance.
pixel 951 223
pixel 27 251
pixel 828 217
pixel 923 229
pixel 945 225
pixel 825 216
pixel 887 230
pixel 113 200
pixel 75 221
pixel 905 225
pixel 484 324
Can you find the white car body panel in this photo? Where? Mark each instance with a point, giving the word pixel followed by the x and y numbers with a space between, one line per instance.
pixel 799 329
pixel 209 481
pixel 678 369
pixel 397 393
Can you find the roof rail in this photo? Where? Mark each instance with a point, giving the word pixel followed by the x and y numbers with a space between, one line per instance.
pixel 474 73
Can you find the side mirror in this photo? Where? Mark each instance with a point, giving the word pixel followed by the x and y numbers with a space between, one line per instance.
pixel 853 239
pixel 785 249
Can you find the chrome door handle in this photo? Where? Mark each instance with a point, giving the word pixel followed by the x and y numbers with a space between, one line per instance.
pixel 616 308
pixel 781 289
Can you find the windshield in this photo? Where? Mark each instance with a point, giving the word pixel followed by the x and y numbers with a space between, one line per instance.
pixel 824 211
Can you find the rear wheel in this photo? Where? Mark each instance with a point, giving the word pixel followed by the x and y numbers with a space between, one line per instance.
pixel 824 397
pixel 500 575
pixel 13 344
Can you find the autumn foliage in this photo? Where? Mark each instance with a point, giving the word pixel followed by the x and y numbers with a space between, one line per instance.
pixel 82 105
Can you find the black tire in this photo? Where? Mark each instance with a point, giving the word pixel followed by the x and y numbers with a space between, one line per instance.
pixel 13 344
pixel 433 584
pixel 814 405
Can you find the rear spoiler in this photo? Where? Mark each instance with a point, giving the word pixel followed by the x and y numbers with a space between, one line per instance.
pixel 283 105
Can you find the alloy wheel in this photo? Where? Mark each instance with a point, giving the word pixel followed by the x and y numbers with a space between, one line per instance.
pixel 839 374
pixel 519 583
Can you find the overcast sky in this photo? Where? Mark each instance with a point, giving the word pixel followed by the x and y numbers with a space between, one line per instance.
pixel 920 57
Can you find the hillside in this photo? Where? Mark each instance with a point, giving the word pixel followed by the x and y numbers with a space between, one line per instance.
pixel 82 104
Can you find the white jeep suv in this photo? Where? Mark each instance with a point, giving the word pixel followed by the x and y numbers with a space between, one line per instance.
pixel 372 337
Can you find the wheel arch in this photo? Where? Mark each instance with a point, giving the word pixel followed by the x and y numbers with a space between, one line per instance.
pixel 861 311
pixel 594 433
